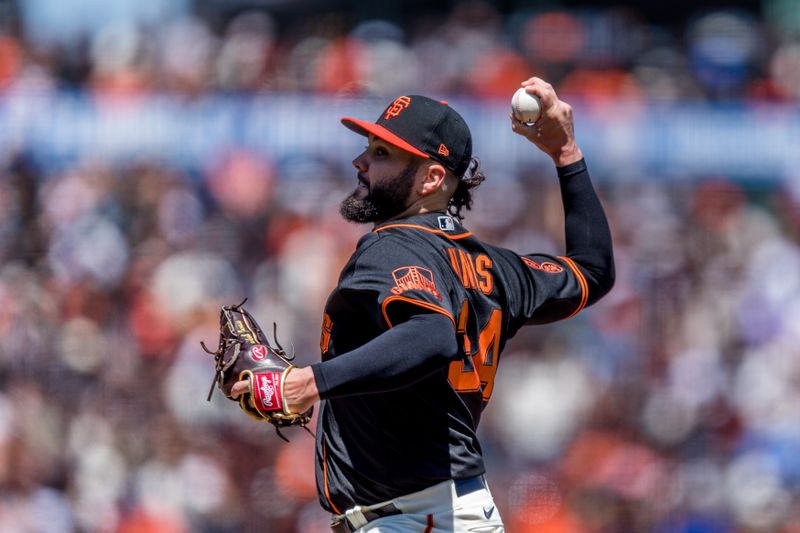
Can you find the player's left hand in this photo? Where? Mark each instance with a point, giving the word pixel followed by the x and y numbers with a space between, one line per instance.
pixel 299 390
pixel 554 131
pixel 257 368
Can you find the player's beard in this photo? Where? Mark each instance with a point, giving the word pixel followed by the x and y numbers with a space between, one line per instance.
pixel 383 201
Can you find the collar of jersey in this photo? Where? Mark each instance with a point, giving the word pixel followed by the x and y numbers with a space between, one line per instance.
pixel 428 222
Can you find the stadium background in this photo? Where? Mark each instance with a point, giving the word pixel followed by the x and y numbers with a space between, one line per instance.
pixel 159 158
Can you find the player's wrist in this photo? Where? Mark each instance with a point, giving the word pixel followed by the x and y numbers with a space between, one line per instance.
pixel 300 389
pixel 567 171
pixel 567 155
pixel 319 379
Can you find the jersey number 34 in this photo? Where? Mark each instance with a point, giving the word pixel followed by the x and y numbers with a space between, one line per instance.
pixel 476 373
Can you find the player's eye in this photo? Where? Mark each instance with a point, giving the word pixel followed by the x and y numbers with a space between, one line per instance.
pixel 381 151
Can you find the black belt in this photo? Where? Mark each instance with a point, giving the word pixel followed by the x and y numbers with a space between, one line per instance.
pixel 463 487
pixel 469 485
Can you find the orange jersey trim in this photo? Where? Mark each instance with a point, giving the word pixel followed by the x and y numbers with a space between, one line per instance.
pixel 426 305
pixel 325 478
pixel 581 281
pixel 430 230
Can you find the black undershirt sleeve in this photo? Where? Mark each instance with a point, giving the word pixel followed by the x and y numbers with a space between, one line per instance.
pixel 400 356
pixel 588 237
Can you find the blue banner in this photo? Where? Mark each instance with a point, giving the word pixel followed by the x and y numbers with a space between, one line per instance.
pixel 621 141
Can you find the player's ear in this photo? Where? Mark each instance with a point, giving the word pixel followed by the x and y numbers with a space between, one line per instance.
pixel 433 179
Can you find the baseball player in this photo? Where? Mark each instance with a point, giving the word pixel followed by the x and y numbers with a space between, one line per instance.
pixel 412 334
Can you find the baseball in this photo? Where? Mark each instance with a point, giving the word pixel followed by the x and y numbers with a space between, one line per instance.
pixel 526 107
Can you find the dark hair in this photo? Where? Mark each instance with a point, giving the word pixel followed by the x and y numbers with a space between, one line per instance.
pixel 462 198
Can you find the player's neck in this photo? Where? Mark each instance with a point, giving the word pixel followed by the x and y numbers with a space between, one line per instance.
pixel 421 206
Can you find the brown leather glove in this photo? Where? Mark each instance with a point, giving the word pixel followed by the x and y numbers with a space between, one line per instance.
pixel 245 353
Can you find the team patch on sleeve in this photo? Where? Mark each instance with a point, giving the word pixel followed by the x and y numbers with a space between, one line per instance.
pixel 546 266
pixel 409 278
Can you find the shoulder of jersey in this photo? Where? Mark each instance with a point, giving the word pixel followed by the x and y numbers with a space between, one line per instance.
pixel 375 242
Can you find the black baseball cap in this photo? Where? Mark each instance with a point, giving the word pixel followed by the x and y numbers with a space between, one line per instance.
pixel 424 127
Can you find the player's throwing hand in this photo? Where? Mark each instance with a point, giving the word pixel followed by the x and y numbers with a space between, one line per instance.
pixel 554 132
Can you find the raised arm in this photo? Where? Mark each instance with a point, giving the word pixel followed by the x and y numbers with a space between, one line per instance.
pixel 588 237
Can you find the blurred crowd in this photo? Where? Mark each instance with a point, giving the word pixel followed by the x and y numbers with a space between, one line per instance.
pixel 673 405
pixel 473 48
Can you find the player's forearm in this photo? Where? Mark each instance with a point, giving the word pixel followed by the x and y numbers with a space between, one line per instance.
pixel 403 355
pixel 588 237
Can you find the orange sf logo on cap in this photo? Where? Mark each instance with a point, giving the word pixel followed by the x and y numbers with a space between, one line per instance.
pixel 397 106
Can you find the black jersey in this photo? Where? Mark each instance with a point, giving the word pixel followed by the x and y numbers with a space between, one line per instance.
pixel 374 444
pixel 416 436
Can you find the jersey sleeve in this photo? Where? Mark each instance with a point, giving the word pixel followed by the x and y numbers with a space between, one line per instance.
pixel 397 281
pixel 542 288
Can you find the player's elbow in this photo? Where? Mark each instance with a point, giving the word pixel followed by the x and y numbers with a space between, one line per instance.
pixel 601 281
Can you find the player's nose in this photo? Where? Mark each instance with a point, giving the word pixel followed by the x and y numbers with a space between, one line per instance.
pixel 360 162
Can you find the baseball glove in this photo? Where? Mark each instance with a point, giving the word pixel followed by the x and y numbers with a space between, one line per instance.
pixel 244 352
